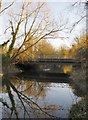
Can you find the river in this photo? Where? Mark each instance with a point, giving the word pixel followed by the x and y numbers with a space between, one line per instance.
pixel 37 95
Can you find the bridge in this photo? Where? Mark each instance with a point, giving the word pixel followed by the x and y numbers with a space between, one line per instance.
pixel 53 64
pixel 55 60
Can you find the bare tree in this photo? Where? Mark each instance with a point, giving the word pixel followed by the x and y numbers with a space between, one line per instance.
pixel 32 23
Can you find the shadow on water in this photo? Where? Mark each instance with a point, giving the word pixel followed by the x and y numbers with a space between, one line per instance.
pixel 34 95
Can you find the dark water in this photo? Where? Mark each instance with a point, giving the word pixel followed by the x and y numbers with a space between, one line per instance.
pixel 38 95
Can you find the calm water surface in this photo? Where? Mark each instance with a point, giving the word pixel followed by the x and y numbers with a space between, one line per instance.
pixel 24 95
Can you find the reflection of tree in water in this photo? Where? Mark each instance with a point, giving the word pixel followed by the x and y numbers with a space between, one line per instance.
pixel 67 68
pixel 29 87
pixel 21 101
pixel 24 96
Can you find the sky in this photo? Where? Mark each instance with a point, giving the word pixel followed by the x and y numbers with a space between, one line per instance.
pixel 58 10
pixel 64 8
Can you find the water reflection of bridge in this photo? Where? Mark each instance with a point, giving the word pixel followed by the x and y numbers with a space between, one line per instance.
pixel 45 77
pixel 28 79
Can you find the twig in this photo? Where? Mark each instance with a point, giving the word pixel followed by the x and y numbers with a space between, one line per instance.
pixel 6 7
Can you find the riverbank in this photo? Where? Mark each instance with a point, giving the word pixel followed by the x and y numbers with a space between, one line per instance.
pixel 9 68
pixel 78 110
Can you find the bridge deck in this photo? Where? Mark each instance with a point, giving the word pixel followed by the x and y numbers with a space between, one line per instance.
pixel 54 61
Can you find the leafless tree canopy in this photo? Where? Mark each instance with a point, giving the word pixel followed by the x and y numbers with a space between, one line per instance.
pixel 31 23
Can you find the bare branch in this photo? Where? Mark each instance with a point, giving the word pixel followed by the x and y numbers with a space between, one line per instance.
pixel 6 8
pixel 74 25
pixel 28 33
pixel 42 37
